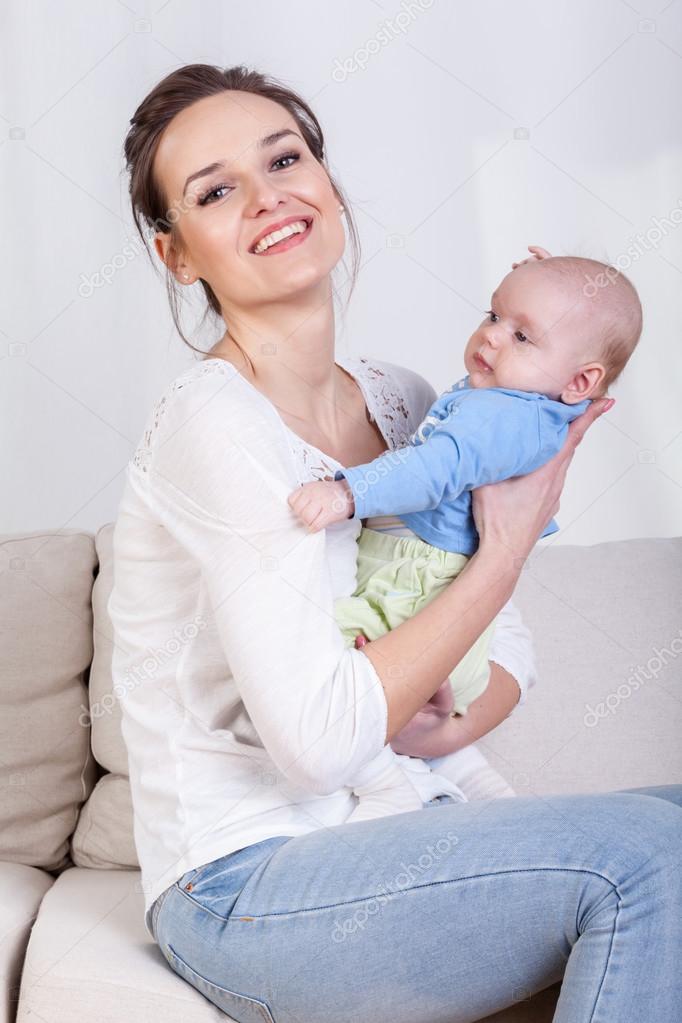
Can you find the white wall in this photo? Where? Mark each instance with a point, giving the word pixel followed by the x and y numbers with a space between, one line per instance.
pixel 481 127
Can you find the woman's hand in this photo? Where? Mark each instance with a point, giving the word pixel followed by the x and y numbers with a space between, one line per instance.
pixel 537 253
pixel 431 732
pixel 515 512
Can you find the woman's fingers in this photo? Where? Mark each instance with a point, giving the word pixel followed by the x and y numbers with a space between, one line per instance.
pixel 537 253
pixel 516 511
pixel 579 427
pixel 442 701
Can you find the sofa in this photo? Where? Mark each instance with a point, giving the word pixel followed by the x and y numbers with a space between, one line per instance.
pixel 606 714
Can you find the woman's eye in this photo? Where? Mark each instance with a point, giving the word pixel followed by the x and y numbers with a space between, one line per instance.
pixel 287 156
pixel 204 199
pixel 520 336
pixel 281 163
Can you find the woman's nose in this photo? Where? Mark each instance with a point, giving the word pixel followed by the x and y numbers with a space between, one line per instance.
pixel 263 196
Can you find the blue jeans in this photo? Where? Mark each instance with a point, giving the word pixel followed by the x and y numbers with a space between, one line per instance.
pixel 447 915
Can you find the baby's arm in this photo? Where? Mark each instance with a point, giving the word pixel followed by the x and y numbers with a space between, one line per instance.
pixel 486 437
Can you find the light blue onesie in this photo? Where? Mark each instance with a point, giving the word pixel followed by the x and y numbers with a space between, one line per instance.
pixel 470 436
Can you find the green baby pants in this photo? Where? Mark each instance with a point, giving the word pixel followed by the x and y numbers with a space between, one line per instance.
pixel 397 576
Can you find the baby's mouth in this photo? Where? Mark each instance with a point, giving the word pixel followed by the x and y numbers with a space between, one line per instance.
pixel 481 363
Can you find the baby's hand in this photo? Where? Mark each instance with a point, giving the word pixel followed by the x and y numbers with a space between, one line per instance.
pixel 320 504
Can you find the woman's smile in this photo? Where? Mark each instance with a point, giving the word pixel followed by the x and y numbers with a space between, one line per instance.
pixel 283 236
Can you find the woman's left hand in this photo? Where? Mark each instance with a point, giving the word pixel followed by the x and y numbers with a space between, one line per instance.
pixel 430 733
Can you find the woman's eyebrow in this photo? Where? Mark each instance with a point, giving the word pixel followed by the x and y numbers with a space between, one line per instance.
pixel 267 140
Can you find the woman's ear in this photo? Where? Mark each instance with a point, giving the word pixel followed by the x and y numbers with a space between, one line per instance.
pixel 584 384
pixel 162 246
pixel 166 252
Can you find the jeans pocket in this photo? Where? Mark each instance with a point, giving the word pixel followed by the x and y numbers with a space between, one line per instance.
pixel 191 876
pixel 242 1008
pixel 215 886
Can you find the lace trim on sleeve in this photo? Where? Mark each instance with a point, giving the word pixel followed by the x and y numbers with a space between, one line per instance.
pixel 143 453
pixel 387 404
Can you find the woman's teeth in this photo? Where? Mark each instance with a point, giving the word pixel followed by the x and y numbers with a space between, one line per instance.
pixel 277 236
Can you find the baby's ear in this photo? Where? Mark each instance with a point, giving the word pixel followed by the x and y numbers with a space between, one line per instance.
pixel 584 384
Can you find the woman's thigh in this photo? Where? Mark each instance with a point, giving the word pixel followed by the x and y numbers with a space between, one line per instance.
pixel 448 914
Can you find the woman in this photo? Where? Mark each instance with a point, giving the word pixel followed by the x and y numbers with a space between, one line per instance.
pixel 242 734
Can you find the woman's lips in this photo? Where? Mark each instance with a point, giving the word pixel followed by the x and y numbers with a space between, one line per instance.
pixel 288 243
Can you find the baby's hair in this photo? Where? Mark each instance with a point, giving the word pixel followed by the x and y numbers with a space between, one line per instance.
pixel 614 303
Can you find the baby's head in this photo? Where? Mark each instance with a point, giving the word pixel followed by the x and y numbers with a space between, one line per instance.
pixel 562 326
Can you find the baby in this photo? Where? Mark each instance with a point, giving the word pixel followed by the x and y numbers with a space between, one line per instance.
pixel 551 342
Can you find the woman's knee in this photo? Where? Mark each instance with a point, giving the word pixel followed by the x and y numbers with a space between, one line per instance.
pixel 643 831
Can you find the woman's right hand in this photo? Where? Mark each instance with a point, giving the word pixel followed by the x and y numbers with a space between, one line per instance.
pixel 515 512
pixel 537 253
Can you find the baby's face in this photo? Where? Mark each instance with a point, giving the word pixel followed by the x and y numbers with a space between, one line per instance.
pixel 535 338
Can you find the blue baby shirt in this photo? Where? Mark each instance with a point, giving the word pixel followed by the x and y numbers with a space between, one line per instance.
pixel 470 436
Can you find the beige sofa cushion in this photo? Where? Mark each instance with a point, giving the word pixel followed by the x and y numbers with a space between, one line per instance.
pixel 21 891
pixel 90 958
pixel 104 835
pixel 46 769
pixel 603 619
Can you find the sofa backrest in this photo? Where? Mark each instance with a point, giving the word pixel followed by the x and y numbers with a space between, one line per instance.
pixel 46 769
pixel 606 713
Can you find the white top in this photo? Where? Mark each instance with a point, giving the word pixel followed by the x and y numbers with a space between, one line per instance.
pixel 243 712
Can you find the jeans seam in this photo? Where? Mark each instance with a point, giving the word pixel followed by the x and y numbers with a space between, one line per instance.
pixel 608 958
pixel 200 905
pixel 418 887
pixel 157 906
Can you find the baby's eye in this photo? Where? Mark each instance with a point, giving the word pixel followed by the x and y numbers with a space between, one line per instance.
pixel 520 336
pixel 493 317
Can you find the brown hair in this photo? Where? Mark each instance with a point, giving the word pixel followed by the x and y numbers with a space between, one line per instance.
pixel 174 93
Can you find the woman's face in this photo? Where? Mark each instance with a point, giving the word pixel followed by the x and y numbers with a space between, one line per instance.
pixel 264 174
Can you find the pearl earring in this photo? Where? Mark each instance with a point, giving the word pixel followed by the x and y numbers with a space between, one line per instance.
pixel 342 208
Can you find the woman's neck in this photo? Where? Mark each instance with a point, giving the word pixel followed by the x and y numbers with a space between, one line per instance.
pixel 287 352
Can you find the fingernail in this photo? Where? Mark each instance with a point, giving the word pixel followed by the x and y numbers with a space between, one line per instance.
pixel 609 405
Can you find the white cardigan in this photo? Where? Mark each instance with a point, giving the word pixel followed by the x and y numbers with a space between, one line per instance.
pixel 243 712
